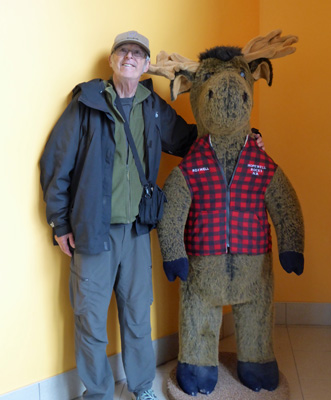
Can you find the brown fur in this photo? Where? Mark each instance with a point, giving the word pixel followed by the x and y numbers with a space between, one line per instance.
pixel 284 209
pixel 222 99
pixel 215 281
pixel 178 204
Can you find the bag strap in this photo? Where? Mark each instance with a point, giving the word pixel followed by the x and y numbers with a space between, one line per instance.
pixel 142 176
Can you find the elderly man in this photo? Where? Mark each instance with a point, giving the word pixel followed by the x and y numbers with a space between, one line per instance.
pixel 92 191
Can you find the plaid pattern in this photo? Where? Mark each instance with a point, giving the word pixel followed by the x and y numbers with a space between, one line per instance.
pixel 227 218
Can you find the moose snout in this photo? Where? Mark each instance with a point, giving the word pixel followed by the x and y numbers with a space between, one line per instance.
pixel 225 101
pixel 226 86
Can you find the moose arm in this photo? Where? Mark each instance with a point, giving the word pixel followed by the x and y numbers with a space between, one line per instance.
pixel 171 228
pixel 285 211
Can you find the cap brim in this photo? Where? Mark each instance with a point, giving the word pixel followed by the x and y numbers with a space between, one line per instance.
pixel 134 42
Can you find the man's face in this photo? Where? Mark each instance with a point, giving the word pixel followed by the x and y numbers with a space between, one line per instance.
pixel 129 62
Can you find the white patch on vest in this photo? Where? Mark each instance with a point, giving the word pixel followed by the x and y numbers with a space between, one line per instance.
pixel 256 169
pixel 200 169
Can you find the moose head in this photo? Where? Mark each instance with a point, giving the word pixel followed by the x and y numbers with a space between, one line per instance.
pixel 221 82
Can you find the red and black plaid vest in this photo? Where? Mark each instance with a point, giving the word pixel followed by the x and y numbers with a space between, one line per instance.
pixel 227 218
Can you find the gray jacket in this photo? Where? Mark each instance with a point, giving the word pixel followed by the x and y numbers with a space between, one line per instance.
pixel 77 163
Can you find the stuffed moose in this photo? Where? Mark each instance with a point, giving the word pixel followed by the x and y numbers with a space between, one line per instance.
pixel 215 234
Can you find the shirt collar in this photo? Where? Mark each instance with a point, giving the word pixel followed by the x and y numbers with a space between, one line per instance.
pixel 141 93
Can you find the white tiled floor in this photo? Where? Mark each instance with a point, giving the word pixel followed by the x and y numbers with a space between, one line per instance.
pixel 303 354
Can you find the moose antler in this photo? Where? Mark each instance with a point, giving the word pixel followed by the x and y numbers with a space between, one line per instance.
pixel 167 65
pixel 273 45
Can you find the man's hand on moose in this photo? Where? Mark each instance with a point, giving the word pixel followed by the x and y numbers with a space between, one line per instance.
pixel 259 140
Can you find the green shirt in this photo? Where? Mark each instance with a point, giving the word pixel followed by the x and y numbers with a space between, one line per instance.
pixel 127 189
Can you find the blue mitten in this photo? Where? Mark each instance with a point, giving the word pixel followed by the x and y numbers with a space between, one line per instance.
pixel 176 268
pixel 292 261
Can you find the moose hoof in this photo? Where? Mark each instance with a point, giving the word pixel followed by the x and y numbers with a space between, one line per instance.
pixel 257 376
pixel 193 379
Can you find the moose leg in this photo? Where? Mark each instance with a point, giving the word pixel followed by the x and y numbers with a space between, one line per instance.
pixel 199 328
pixel 257 367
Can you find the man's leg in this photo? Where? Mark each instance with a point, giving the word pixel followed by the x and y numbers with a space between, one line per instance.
pixel 134 294
pixel 91 284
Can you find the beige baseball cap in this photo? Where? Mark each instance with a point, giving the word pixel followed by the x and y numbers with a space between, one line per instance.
pixel 131 37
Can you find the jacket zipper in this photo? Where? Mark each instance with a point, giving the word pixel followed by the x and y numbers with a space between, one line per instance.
pixel 228 191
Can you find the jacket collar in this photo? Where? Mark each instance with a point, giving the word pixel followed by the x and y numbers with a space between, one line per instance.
pixel 92 93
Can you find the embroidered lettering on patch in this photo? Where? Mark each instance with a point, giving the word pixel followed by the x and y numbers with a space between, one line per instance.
pixel 256 169
pixel 200 169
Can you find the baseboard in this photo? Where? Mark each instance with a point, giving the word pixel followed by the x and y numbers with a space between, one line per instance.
pixel 303 314
pixel 289 314
pixel 68 386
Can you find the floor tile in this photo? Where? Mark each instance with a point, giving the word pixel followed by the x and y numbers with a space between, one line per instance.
pixel 286 361
pixel 311 349
pixel 316 338
pixel 125 394
pixel 160 386
pixel 313 365
pixel 161 378
pixel 303 354
pixel 119 389
pixel 166 368
pixel 316 389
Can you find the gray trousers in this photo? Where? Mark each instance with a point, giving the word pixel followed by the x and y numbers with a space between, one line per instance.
pixel 126 269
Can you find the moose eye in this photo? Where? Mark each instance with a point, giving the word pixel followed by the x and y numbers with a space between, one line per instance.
pixel 242 74
pixel 207 76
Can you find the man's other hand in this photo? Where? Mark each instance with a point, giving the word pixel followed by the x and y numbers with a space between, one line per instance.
pixel 64 241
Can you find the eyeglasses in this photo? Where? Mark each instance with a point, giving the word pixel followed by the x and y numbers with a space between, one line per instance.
pixel 123 51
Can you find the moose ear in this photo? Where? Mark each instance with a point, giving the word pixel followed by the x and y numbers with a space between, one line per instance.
pixel 178 69
pixel 262 69
pixel 181 83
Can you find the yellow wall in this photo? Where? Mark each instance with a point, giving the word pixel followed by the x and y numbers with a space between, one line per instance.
pixel 294 116
pixel 47 48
